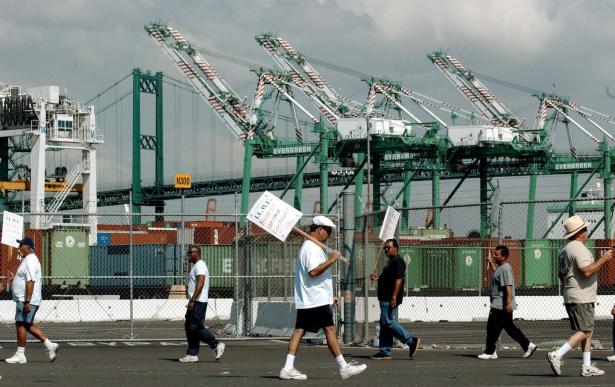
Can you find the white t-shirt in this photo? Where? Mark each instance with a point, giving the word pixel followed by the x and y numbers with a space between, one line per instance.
pixel 28 270
pixel 311 292
pixel 578 289
pixel 199 268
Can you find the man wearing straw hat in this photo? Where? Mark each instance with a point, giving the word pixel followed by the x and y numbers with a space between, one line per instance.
pixel 578 273
pixel 313 300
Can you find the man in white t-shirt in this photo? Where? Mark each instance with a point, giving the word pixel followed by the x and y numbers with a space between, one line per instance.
pixel 26 286
pixel 198 289
pixel 578 273
pixel 313 300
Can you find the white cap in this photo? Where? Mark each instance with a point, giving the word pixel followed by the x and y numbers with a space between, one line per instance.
pixel 323 221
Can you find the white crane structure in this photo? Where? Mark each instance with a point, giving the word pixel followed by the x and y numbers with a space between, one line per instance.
pixel 504 127
pixel 42 121
pixel 236 115
pixel 326 99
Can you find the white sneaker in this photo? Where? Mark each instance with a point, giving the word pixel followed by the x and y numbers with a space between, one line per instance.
pixel 53 351
pixel 291 373
pixel 610 358
pixel 189 359
pixel 219 351
pixel 486 356
pixel 352 370
pixel 556 362
pixel 530 350
pixel 591 370
pixel 17 359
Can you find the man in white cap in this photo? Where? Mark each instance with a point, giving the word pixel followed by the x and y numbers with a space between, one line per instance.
pixel 578 273
pixel 313 300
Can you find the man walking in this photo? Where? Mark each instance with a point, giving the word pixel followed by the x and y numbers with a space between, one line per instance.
pixel 26 286
pixel 390 296
pixel 578 273
pixel 313 300
pixel 502 305
pixel 198 290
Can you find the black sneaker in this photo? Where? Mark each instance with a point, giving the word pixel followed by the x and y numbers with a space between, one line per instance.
pixel 413 346
pixel 380 356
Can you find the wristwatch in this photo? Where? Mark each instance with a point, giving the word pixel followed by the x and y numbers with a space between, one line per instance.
pixel 26 302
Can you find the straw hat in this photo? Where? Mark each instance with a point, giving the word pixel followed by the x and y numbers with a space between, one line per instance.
pixel 573 225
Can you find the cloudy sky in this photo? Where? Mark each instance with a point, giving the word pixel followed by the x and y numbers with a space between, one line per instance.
pixel 84 46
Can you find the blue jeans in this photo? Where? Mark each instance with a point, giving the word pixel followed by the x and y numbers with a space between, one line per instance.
pixel 389 328
pixel 196 331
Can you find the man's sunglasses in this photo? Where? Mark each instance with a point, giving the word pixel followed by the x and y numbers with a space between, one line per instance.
pixel 327 229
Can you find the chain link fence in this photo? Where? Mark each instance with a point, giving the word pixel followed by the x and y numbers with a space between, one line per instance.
pixel 447 279
pixel 131 284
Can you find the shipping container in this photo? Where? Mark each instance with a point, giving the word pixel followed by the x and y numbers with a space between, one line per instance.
pixel 468 261
pixel 220 261
pixel 538 263
pixel 69 257
pixel 148 260
pixel 606 275
pixel 437 264
pixel 414 265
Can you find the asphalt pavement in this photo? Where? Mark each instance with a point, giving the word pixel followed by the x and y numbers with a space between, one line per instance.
pixel 257 363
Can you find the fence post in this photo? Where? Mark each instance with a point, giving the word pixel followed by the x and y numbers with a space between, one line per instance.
pixel 130 269
pixel 349 281
pixel 365 282
pixel 247 293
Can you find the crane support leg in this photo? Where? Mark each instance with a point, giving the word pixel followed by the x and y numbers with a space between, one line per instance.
pixel 484 199
pixel 574 177
pixel 531 206
pixel 247 175
pixel 607 179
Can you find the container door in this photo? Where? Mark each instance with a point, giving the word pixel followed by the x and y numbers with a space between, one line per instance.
pixel 538 262
pixel 69 257
pixel 468 268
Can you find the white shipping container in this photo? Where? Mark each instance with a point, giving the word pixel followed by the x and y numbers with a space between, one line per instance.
pixel 474 135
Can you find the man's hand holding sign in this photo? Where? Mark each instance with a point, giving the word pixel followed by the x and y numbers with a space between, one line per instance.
pixel 279 218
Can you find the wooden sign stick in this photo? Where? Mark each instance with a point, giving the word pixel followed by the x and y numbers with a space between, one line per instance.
pixel 320 244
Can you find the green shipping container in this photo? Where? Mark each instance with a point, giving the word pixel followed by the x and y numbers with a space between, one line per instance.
pixel 539 267
pixel 221 264
pixel 69 257
pixel 468 267
pixel 414 266
pixel 437 266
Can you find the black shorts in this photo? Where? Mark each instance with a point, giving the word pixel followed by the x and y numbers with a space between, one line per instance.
pixel 313 319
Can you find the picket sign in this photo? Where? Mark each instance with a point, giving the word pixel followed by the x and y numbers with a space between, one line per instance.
pixel 387 231
pixel 389 225
pixel 12 229
pixel 278 218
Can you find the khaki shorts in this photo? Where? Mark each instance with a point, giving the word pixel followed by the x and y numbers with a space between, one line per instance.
pixel 581 317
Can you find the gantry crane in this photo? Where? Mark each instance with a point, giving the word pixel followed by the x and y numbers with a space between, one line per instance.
pixel 474 90
pixel 351 120
pixel 328 101
pixel 253 129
